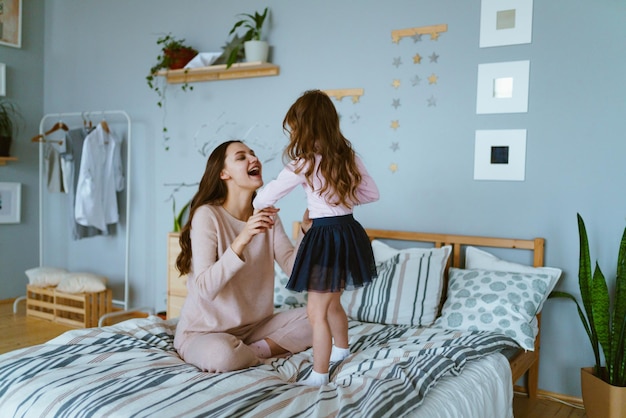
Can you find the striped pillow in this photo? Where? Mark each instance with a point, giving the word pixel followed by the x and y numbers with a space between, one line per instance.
pixel 407 290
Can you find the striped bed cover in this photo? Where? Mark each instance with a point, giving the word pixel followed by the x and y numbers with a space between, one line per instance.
pixel 132 370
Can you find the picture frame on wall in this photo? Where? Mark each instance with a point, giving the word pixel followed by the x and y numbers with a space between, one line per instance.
pixel 500 154
pixel 505 22
pixel 3 75
pixel 10 203
pixel 502 87
pixel 11 23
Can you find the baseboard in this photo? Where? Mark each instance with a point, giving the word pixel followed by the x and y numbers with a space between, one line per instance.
pixel 544 394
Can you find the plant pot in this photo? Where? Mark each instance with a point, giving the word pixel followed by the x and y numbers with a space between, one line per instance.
pixel 5 146
pixel 256 51
pixel 601 399
pixel 178 58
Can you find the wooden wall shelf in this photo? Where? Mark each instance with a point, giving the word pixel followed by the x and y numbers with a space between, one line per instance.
pixel 219 72
pixel 4 160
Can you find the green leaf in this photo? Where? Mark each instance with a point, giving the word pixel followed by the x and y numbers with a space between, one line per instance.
pixel 600 305
pixel 618 323
pixel 583 319
pixel 585 283
pixel 174 212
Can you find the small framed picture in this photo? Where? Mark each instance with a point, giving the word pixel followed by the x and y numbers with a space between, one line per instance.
pixel 10 206
pixel 502 87
pixel 3 74
pixel 11 23
pixel 500 155
pixel 505 22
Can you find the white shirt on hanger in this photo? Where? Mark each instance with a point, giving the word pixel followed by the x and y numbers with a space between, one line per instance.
pixel 99 179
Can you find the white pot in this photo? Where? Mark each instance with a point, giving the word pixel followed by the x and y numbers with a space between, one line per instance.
pixel 256 51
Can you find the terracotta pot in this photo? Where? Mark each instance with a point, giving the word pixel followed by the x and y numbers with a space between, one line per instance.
pixel 178 58
pixel 601 399
pixel 5 146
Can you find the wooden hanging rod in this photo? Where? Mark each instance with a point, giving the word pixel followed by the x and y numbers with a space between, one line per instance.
pixel 433 31
pixel 341 93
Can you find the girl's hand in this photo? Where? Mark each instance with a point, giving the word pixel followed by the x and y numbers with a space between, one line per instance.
pixel 306 222
pixel 260 221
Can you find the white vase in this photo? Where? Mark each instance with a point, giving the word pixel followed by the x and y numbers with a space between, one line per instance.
pixel 256 51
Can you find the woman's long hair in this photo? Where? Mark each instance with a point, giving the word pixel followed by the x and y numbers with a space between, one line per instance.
pixel 212 190
pixel 313 126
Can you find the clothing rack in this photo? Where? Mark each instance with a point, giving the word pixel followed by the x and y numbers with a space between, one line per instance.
pixel 41 139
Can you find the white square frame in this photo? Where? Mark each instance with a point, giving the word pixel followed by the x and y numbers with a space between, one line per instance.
pixel 515 169
pixel 521 33
pixel 3 75
pixel 486 100
pixel 10 203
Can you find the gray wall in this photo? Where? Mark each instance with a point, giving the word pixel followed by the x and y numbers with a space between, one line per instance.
pixel 19 246
pixel 97 55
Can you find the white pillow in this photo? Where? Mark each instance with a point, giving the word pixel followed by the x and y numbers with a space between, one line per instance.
pixel 497 301
pixel 284 296
pixel 45 276
pixel 407 290
pixel 482 260
pixel 82 283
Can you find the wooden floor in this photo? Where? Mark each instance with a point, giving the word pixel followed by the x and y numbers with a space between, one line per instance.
pixel 19 331
pixel 544 408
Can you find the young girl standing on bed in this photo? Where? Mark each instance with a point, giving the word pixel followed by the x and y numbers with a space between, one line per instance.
pixel 335 254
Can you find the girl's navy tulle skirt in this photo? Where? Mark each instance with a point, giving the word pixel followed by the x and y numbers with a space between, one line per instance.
pixel 335 254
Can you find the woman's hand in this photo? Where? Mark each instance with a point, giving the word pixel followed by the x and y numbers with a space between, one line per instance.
pixel 260 221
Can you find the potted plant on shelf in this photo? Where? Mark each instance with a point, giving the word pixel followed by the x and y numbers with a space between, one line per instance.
pixel 9 115
pixel 604 319
pixel 256 49
pixel 174 55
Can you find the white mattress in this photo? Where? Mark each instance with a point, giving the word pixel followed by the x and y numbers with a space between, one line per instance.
pixel 489 382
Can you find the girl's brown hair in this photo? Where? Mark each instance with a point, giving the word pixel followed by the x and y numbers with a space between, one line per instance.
pixel 212 190
pixel 313 126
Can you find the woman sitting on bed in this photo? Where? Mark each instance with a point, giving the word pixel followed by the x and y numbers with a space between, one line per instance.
pixel 227 321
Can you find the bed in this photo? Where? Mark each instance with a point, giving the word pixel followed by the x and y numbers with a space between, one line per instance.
pixel 410 354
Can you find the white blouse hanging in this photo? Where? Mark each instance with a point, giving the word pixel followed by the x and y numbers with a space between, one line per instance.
pixel 100 178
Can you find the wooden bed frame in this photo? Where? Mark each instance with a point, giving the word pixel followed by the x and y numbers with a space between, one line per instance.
pixel 522 362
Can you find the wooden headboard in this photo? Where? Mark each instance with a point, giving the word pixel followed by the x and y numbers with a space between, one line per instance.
pixel 522 362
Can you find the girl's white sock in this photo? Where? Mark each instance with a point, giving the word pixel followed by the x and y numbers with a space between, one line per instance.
pixel 315 379
pixel 338 353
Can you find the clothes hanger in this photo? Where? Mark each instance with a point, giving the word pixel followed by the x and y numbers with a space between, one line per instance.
pixel 41 138
pixel 59 125
pixel 104 124
pixel 89 122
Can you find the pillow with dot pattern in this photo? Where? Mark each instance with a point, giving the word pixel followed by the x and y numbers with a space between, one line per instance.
pixel 283 296
pixel 483 260
pixel 497 301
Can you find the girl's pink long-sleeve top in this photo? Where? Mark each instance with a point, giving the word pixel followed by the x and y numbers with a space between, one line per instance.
pixel 318 206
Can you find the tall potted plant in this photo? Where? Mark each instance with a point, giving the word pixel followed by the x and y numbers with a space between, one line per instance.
pixel 9 114
pixel 604 318
pixel 256 48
